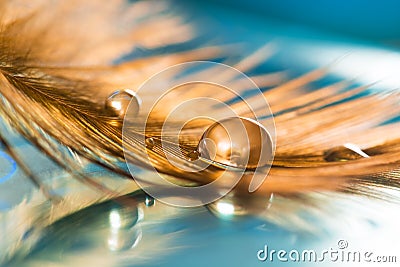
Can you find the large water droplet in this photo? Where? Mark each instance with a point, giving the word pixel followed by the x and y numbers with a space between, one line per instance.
pixel 238 142
pixel 346 152
pixel 118 103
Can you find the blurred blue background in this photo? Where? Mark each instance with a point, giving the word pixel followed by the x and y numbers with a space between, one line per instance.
pixel 378 20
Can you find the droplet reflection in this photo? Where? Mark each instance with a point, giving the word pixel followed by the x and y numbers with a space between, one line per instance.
pixel 124 233
pixel 125 217
pixel 236 205
pixel 119 240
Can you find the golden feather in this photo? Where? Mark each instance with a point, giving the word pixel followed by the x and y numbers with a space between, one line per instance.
pixel 57 68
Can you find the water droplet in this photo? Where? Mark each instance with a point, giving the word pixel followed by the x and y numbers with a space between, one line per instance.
pixel 346 152
pixel 149 201
pixel 119 101
pixel 149 143
pixel 238 142
pixel 124 217
pixel 192 156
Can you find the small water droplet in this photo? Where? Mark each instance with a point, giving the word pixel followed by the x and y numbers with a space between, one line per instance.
pixel 238 142
pixel 193 155
pixel 344 153
pixel 149 201
pixel 149 143
pixel 119 101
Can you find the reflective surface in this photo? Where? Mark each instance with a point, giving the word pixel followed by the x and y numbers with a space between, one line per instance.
pixel 168 236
